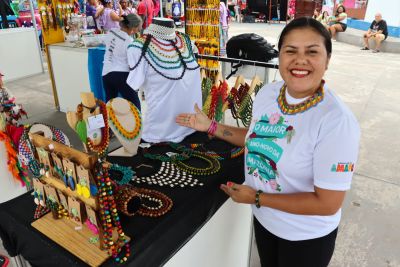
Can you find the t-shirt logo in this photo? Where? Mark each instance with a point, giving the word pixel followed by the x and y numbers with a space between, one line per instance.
pixel 342 167
pixel 262 151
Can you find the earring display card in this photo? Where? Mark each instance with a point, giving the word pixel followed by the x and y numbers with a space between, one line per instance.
pixel 83 178
pixel 38 187
pixel 51 193
pixel 63 199
pixel 69 174
pixel 75 210
pixel 92 222
pixel 44 157
pixel 57 170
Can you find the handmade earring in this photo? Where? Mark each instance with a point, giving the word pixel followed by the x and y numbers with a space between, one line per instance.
pixel 83 189
pixel 69 180
pixel 90 223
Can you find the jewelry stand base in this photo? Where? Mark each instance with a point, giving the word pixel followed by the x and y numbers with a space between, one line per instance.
pixel 63 232
pixel 121 152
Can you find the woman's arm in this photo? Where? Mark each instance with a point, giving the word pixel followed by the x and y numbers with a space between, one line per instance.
pixel 322 202
pixel 200 122
pixel 115 17
pixel 99 12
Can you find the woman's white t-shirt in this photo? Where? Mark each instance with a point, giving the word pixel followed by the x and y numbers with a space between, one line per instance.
pixel 293 153
pixel 115 57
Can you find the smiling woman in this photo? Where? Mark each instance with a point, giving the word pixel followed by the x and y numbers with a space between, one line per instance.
pixel 293 181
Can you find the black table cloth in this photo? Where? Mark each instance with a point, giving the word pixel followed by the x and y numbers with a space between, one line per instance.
pixel 153 240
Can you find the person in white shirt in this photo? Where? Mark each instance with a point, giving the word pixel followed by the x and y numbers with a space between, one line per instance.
pixel 116 68
pixel 300 153
pixel 162 63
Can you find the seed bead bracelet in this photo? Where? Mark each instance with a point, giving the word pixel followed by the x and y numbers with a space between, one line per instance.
pixel 163 203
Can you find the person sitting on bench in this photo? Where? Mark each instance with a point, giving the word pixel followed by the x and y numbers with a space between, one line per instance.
pixel 377 31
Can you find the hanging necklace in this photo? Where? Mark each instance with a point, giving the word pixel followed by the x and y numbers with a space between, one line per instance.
pixel 117 126
pixel 109 217
pixel 101 148
pixel 310 102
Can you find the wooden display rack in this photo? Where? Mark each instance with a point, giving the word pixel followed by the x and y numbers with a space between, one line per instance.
pixel 63 231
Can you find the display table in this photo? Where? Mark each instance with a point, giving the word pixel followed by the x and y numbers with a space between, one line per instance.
pixel 19 53
pixel 189 235
pixel 70 72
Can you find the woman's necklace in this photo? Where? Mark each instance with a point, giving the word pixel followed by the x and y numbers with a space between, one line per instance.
pixel 310 102
pixel 117 126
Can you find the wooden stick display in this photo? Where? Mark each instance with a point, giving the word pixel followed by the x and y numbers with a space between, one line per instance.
pixel 75 221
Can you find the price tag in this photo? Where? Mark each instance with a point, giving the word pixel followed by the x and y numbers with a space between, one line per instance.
pixel 96 122
pixel 171 154
pixel 144 145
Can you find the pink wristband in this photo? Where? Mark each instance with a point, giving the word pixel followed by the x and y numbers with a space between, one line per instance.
pixel 213 128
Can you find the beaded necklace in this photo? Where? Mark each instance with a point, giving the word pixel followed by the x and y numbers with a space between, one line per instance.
pixel 231 154
pixel 169 175
pixel 212 168
pixel 310 102
pixel 101 148
pixel 151 197
pixel 182 58
pixel 126 172
pixel 109 217
pixel 186 153
pixel 116 125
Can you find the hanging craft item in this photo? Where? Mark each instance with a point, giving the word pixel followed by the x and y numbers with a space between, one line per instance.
pixel 202 24
pixel 154 203
pixel 109 218
pixel 170 176
pixel 102 147
pixel 214 104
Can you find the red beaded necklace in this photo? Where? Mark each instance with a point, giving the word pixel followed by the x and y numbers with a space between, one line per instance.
pixel 109 218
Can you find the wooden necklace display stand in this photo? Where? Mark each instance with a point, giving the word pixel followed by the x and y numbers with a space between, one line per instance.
pixel 65 231
pixel 124 120
pixel 88 101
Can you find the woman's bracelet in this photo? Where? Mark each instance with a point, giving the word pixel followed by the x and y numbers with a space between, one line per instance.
pixel 213 128
pixel 257 202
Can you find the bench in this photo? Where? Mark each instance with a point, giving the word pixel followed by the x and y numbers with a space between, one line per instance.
pixel 355 37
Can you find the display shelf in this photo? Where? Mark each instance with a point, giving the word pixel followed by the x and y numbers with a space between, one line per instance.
pixel 64 233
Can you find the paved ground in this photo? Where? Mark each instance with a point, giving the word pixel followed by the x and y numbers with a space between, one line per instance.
pixel 369 83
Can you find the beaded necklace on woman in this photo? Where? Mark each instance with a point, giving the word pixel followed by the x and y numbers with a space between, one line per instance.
pixel 310 102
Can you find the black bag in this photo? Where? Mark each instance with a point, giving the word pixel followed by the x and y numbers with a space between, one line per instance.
pixel 250 46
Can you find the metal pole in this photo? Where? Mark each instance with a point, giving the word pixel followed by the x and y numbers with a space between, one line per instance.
pixel 36 32
pixel 161 9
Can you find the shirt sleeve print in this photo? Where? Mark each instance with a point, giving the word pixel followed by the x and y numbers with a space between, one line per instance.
pixel 336 152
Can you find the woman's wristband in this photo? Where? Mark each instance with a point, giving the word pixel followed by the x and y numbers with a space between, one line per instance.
pixel 257 202
pixel 213 128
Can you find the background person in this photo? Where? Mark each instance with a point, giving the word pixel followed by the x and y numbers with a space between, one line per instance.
pixel 324 19
pixel 378 31
pixel 125 9
pixel 339 22
pixel 116 68
pixel 1 80
pixel 109 17
pixel 146 11
pixel 300 151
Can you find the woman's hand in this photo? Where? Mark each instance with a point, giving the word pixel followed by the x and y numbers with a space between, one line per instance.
pixel 198 121
pixel 240 193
